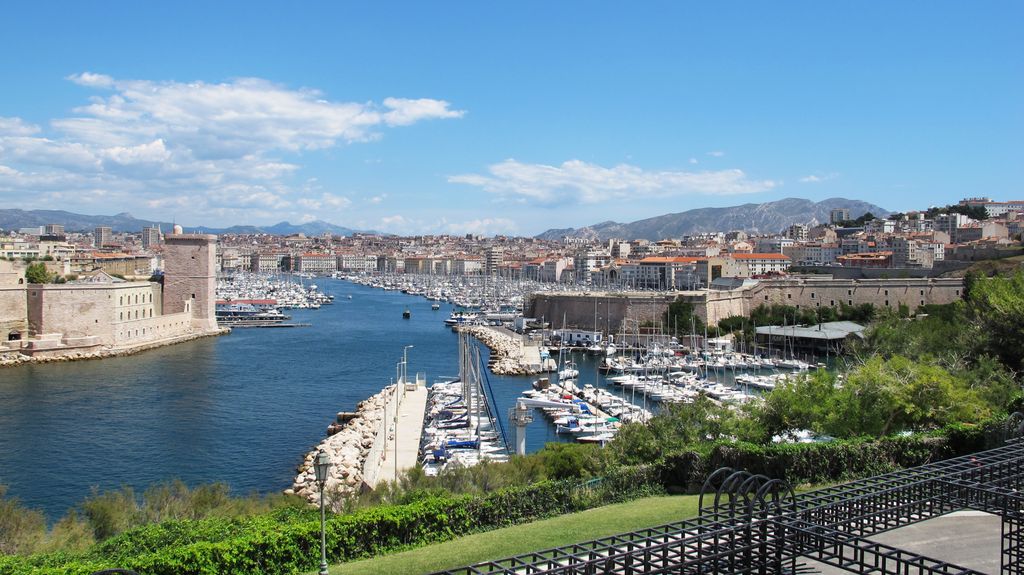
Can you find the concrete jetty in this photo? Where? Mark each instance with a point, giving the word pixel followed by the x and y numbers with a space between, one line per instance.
pixel 364 445
pixel 399 448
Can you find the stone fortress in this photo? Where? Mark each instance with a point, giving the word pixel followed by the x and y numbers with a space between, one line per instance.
pixel 610 311
pixel 102 315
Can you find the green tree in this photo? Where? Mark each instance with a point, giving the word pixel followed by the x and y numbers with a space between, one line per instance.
pixel 36 274
pixel 21 529
pixel 682 319
pixel 996 307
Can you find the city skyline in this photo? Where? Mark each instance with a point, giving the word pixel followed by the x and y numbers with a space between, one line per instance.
pixel 486 120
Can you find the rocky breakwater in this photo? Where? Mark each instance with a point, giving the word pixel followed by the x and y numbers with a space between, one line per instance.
pixel 508 354
pixel 349 442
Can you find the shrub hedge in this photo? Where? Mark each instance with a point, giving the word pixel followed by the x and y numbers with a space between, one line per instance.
pixel 287 540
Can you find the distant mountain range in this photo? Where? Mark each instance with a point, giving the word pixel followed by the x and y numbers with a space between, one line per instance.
pixel 770 217
pixel 124 222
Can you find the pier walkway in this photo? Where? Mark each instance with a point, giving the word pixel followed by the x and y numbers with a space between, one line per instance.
pixel 402 432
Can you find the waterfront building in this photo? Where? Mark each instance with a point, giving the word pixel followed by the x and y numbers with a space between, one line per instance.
pixel 838 215
pixel 992 208
pixel 950 223
pixel 882 259
pixel 316 263
pixel 797 232
pixel 266 262
pixel 666 273
pixel 760 264
pixel 587 261
pixel 150 237
pixel 348 262
pixel 494 259
pixel 467 266
pixel 975 231
pixel 102 236
pixel 552 269
pixel 774 245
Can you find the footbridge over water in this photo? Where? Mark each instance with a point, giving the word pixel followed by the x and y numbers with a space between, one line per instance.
pixel 754 524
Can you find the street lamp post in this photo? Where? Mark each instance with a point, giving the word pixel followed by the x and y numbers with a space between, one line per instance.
pixel 405 378
pixel 405 362
pixel 320 466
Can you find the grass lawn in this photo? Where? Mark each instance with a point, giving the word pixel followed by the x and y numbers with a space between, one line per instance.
pixel 543 534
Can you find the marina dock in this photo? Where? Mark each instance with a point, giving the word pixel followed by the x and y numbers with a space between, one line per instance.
pixel 396 447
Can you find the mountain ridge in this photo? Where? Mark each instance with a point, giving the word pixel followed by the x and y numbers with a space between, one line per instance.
pixel 767 217
pixel 13 219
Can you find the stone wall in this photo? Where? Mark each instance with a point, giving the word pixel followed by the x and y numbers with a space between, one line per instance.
pixel 604 312
pixel 77 310
pixel 814 292
pixel 617 309
pixel 141 331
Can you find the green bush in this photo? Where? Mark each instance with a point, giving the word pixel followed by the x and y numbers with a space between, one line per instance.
pixel 286 540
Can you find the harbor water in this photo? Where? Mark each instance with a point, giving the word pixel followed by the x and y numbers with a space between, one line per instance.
pixel 242 409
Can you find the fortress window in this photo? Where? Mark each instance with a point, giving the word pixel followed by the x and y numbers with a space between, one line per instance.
pixel 122 316
pixel 886 293
pixel 922 292
pixel 120 301
pixel 849 302
pixel 849 292
pixel 812 295
pixel 789 296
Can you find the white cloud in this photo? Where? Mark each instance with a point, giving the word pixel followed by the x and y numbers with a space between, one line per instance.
pixel 92 80
pixel 222 145
pixel 16 127
pixel 815 179
pixel 394 220
pixel 404 111
pixel 576 180
pixel 694 161
pixel 716 153
pixel 325 200
pixel 377 199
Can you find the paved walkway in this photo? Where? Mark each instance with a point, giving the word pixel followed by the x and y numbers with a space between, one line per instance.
pixel 404 446
pixel 966 538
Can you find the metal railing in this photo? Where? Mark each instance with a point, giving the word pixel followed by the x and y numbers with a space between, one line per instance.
pixel 753 524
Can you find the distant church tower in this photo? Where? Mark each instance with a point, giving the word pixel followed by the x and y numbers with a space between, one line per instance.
pixel 190 277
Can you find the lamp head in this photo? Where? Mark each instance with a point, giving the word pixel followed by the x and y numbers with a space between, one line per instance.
pixel 320 465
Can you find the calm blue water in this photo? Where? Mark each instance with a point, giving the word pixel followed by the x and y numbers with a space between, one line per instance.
pixel 242 409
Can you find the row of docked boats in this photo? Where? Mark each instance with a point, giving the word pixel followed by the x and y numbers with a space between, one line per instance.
pixel 256 300
pixel 575 416
pixel 459 429
pixel 701 362
pixel 286 293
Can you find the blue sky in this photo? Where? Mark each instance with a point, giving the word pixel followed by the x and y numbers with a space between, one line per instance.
pixel 484 117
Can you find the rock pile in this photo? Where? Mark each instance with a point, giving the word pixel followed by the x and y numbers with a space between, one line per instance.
pixel 350 441
pixel 507 357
